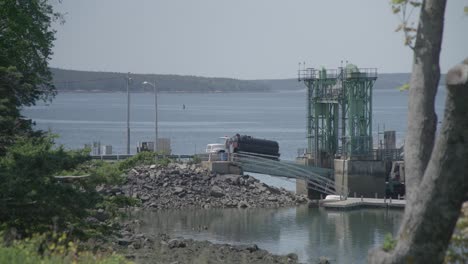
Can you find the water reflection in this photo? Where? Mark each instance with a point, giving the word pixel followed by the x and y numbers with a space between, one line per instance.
pixel 343 236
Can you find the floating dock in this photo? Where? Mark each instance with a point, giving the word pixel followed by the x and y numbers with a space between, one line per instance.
pixel 356 203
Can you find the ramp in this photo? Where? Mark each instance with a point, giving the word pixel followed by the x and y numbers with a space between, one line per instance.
pixel 319 179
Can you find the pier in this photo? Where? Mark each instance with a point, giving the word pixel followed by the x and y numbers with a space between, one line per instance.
pixel 355 203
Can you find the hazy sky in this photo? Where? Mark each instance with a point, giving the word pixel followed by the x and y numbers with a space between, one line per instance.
pixel 246 39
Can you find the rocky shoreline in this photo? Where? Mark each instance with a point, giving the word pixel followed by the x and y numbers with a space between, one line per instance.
pixel 179 186
pixel 161 248
pixel 183 186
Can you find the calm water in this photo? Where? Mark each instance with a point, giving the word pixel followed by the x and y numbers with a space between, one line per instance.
pixel 81 118
pixel 343 237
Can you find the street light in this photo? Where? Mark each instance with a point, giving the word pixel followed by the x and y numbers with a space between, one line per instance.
pixel 128 80
pixel 156 147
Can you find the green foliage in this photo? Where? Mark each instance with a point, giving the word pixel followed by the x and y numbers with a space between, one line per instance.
pixel 26 40
pixel 196 159
pixel 458 248
pixel 404 9
pixel 100 172
pixel 32 200
pixel 404 87
pixel 142 158
pixel 389 243
pixel 52 249
pixel 11 123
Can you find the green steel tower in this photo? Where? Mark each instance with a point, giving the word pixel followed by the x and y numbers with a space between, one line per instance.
pixel 339 112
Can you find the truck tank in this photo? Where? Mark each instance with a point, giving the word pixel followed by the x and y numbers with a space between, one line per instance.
pixel 255 145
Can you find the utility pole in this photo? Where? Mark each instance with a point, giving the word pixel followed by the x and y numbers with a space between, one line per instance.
pixel 156 144
pixel 128 113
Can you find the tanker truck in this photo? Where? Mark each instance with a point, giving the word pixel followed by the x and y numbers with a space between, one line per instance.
pixel 262 147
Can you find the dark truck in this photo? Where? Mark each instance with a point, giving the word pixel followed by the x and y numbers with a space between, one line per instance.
pixel 255 146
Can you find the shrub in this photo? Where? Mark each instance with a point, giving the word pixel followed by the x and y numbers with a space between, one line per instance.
pixel 389 243
pixel 142 158
pixel 31 199
pixel 50 250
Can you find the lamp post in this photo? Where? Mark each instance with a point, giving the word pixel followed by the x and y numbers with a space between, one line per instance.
pixel 156 147
pixel 128 79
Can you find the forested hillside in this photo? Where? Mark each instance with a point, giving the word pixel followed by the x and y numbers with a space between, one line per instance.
pixel 71 80
pixel 87 81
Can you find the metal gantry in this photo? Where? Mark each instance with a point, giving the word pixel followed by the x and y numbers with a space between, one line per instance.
pixel 339 112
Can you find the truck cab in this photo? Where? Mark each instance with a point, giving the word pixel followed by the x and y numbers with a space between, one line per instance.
pixel 218 147
pixel 215 148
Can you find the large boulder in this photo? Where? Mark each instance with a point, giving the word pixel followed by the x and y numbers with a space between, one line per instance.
pixel 216 191
pixel 178 190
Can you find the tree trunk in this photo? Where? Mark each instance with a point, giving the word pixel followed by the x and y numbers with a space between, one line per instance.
pixel 427 228
pixel 422 120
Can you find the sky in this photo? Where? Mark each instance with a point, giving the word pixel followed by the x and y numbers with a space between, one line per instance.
pixel 242 39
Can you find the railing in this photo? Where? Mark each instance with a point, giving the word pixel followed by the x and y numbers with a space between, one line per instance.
pixel 374 154
pixel 361 73
pixel 319 179
pixel 311 73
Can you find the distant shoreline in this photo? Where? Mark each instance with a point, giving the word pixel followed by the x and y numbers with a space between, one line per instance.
pixel 165 92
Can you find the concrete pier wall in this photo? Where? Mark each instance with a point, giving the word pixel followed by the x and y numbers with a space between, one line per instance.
pixel 222 167
pixel 363 177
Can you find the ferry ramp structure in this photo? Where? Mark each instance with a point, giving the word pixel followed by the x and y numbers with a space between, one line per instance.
pixel 319 179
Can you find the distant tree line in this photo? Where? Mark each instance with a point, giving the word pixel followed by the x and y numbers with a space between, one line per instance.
pixel 88 81
pixel 71 80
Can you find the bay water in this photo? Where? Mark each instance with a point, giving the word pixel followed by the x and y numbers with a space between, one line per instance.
pixel 342 236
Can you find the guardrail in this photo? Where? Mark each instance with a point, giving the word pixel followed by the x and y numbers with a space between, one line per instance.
pixel 318 178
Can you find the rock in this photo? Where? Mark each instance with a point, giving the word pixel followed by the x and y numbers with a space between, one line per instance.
pixel 272 199
pixel 324 260
pixel 260 186
pixel 292 256
pixel 145 197
pixel 165 184
pixel 101 215
pixel 216 191
pixel 182 166
pixel 100 188
pixel 176 243
pixel 301 199
pixel 251 248
pixel 274 190
pixel 233 179
pixel 243 204
pixel 153 166
pixel 124 242
pixel 178 190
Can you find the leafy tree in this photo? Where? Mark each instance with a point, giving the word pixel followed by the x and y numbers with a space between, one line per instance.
pixel 25 48
pixel 436 170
